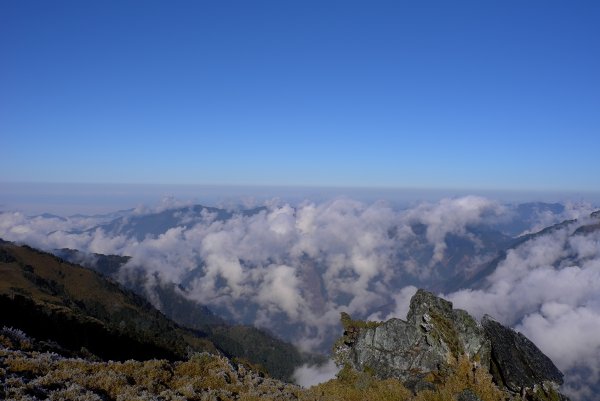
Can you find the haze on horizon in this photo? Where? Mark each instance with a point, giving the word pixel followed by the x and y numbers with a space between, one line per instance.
pixel 90 199
pixel 457 95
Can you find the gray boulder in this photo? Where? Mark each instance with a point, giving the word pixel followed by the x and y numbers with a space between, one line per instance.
pixel 454 330
pixel 433 336
pixel 516 362
pixel 425 346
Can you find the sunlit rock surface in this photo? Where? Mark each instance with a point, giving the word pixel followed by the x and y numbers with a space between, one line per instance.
pixel 424 348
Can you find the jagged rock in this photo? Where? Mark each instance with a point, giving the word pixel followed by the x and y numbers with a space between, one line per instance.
pixel 454 329
pixel 432 337
pixel 516 362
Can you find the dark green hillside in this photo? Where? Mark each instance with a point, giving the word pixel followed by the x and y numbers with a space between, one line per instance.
pixel 76 307
pixel 243 342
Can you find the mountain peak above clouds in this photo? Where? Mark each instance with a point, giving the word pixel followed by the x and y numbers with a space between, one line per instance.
pixel 425 350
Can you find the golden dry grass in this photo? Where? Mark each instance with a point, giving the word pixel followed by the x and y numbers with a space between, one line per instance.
pixel 203 376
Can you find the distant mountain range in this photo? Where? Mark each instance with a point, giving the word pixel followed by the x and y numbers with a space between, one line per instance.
pixel 476 279
pixel 469 256
pixel 154 224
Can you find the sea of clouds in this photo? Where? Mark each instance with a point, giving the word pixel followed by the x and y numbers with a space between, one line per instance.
pixel 549 289
pixel 298 266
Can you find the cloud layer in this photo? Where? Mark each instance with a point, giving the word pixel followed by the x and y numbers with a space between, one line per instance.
pixel 294 268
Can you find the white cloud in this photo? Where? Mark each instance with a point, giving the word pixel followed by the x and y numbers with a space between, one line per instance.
pixel 311 375
pixel 452 216
pixel 401 302
pixel 280 291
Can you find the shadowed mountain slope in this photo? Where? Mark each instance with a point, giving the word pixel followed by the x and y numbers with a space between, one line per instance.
pixel 77 307
pixel 242 342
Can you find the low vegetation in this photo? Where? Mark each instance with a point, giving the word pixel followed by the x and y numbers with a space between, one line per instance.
pixel 26 373
pixel 351 385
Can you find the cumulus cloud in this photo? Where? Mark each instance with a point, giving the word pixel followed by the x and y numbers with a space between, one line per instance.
pixel 280 291
pixel 453 216
pixel 310 375
pixel 401 305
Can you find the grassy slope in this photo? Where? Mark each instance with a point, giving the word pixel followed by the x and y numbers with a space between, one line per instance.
pixel 26 373
pixel 77 307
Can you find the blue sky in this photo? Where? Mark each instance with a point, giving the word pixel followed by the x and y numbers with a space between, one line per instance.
pixel 449 94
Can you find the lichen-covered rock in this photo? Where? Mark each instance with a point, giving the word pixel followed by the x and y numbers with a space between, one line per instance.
pixel 454 329
pixel 433 336
pixel 516 362
pixel 423 348
pixel 394 349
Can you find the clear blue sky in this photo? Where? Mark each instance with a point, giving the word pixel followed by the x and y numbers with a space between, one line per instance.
pixel 454 94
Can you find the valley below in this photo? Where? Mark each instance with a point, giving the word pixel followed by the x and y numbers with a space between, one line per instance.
pixel 257 293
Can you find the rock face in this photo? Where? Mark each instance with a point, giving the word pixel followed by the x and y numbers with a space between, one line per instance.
pixel 433 337
pixel 516 362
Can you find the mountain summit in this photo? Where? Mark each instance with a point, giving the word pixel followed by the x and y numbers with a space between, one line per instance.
pixel 427 348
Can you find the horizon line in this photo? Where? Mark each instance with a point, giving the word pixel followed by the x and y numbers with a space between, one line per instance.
pixel 309 186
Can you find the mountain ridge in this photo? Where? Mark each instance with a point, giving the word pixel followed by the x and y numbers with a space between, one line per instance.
pixel 196 325
pixel 42 293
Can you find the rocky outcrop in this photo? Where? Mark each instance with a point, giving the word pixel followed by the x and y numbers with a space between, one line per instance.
pixel 516 362
pixel 433 337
